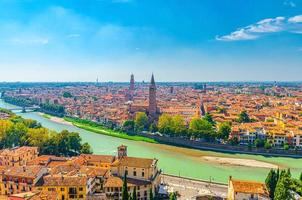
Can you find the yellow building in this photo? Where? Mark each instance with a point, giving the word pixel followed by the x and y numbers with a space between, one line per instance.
pixel 242 190
pixel 142 174
pixel 66 187
pixel 16 180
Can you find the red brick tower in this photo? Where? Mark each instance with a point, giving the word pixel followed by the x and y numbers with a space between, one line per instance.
pixel 152 98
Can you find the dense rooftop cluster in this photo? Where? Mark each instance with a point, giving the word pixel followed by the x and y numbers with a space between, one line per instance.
pixel 85 176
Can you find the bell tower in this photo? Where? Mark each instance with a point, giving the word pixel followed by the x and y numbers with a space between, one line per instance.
pixel 152 98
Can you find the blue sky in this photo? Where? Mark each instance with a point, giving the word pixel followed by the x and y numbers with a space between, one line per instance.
pixel 177 40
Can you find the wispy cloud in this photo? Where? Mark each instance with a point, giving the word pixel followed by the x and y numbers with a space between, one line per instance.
pixel 73 35
pixel 121 1
pixel 289 3
pixel 264 27
pixel 30 41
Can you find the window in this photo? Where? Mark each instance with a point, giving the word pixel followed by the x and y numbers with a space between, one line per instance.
pixel 80 189
pixel 81 196
pixel 62 189
pixel 143 174
pixel 134 173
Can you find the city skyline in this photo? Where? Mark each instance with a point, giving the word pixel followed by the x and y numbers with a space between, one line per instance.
pixel 177 41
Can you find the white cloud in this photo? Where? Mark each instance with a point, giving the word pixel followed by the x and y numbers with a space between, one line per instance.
pixel 264 27
pixel 295 19
pixel 237 35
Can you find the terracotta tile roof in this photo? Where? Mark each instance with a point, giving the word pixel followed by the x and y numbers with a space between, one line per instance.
pixel 41 160
pixel 22 171
pixel 59 180
pixel 249 187
pixel 98 158
pixel 134 162
pixel 45 195
pixel 114 181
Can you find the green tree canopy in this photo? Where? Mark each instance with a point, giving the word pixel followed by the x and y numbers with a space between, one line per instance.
pixel 208 117
pixel 178 125
pixel 128 126
pixel 67 95
pixel 243 117
pixel 165 124
pixel 86 149
pixel 141 121
pixel 201 128
pixel 224 130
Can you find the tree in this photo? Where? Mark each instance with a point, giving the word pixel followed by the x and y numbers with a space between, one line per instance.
pixel 153 128
pixel 125 195
pixel 178 125
pixel 67 95
pixel 128 126
pixel 173 196
pixel 234 141
pixel 134 194
pixel 151 194
pixel 244 117
pixel 201 128
pixel 300 178
pixel 259 143
pixel 74 142
pixel 271 182
pixel 63 142
pixel 86 148
pixel 286 146
pixel 282 191
pixel 267 145
pixel 165 124
pixel 208 117
pixel 141 121
pixel 37 137
pixel 224 130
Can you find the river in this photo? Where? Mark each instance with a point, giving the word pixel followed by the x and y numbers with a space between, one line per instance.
pixel 174 160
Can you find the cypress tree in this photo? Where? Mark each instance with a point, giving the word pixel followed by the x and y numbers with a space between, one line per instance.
pixel 282 191
pixel 134 194
pixel 271 182
pixel 151 193
pixel 173 196
pixel 125 195
pixel 300 177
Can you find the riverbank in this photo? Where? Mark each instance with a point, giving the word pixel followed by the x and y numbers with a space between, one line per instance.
pixel 239 162
pixel 106 131
pixel 180 142
pixel 55 119
pixel 189 188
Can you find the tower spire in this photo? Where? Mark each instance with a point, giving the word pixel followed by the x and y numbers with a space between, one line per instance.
pixel 152 80
pixel 152 98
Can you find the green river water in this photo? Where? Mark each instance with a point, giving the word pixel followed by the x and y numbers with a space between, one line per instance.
pixel 174 160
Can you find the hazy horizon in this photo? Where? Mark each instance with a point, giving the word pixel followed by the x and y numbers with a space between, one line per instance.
pixel 179 41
